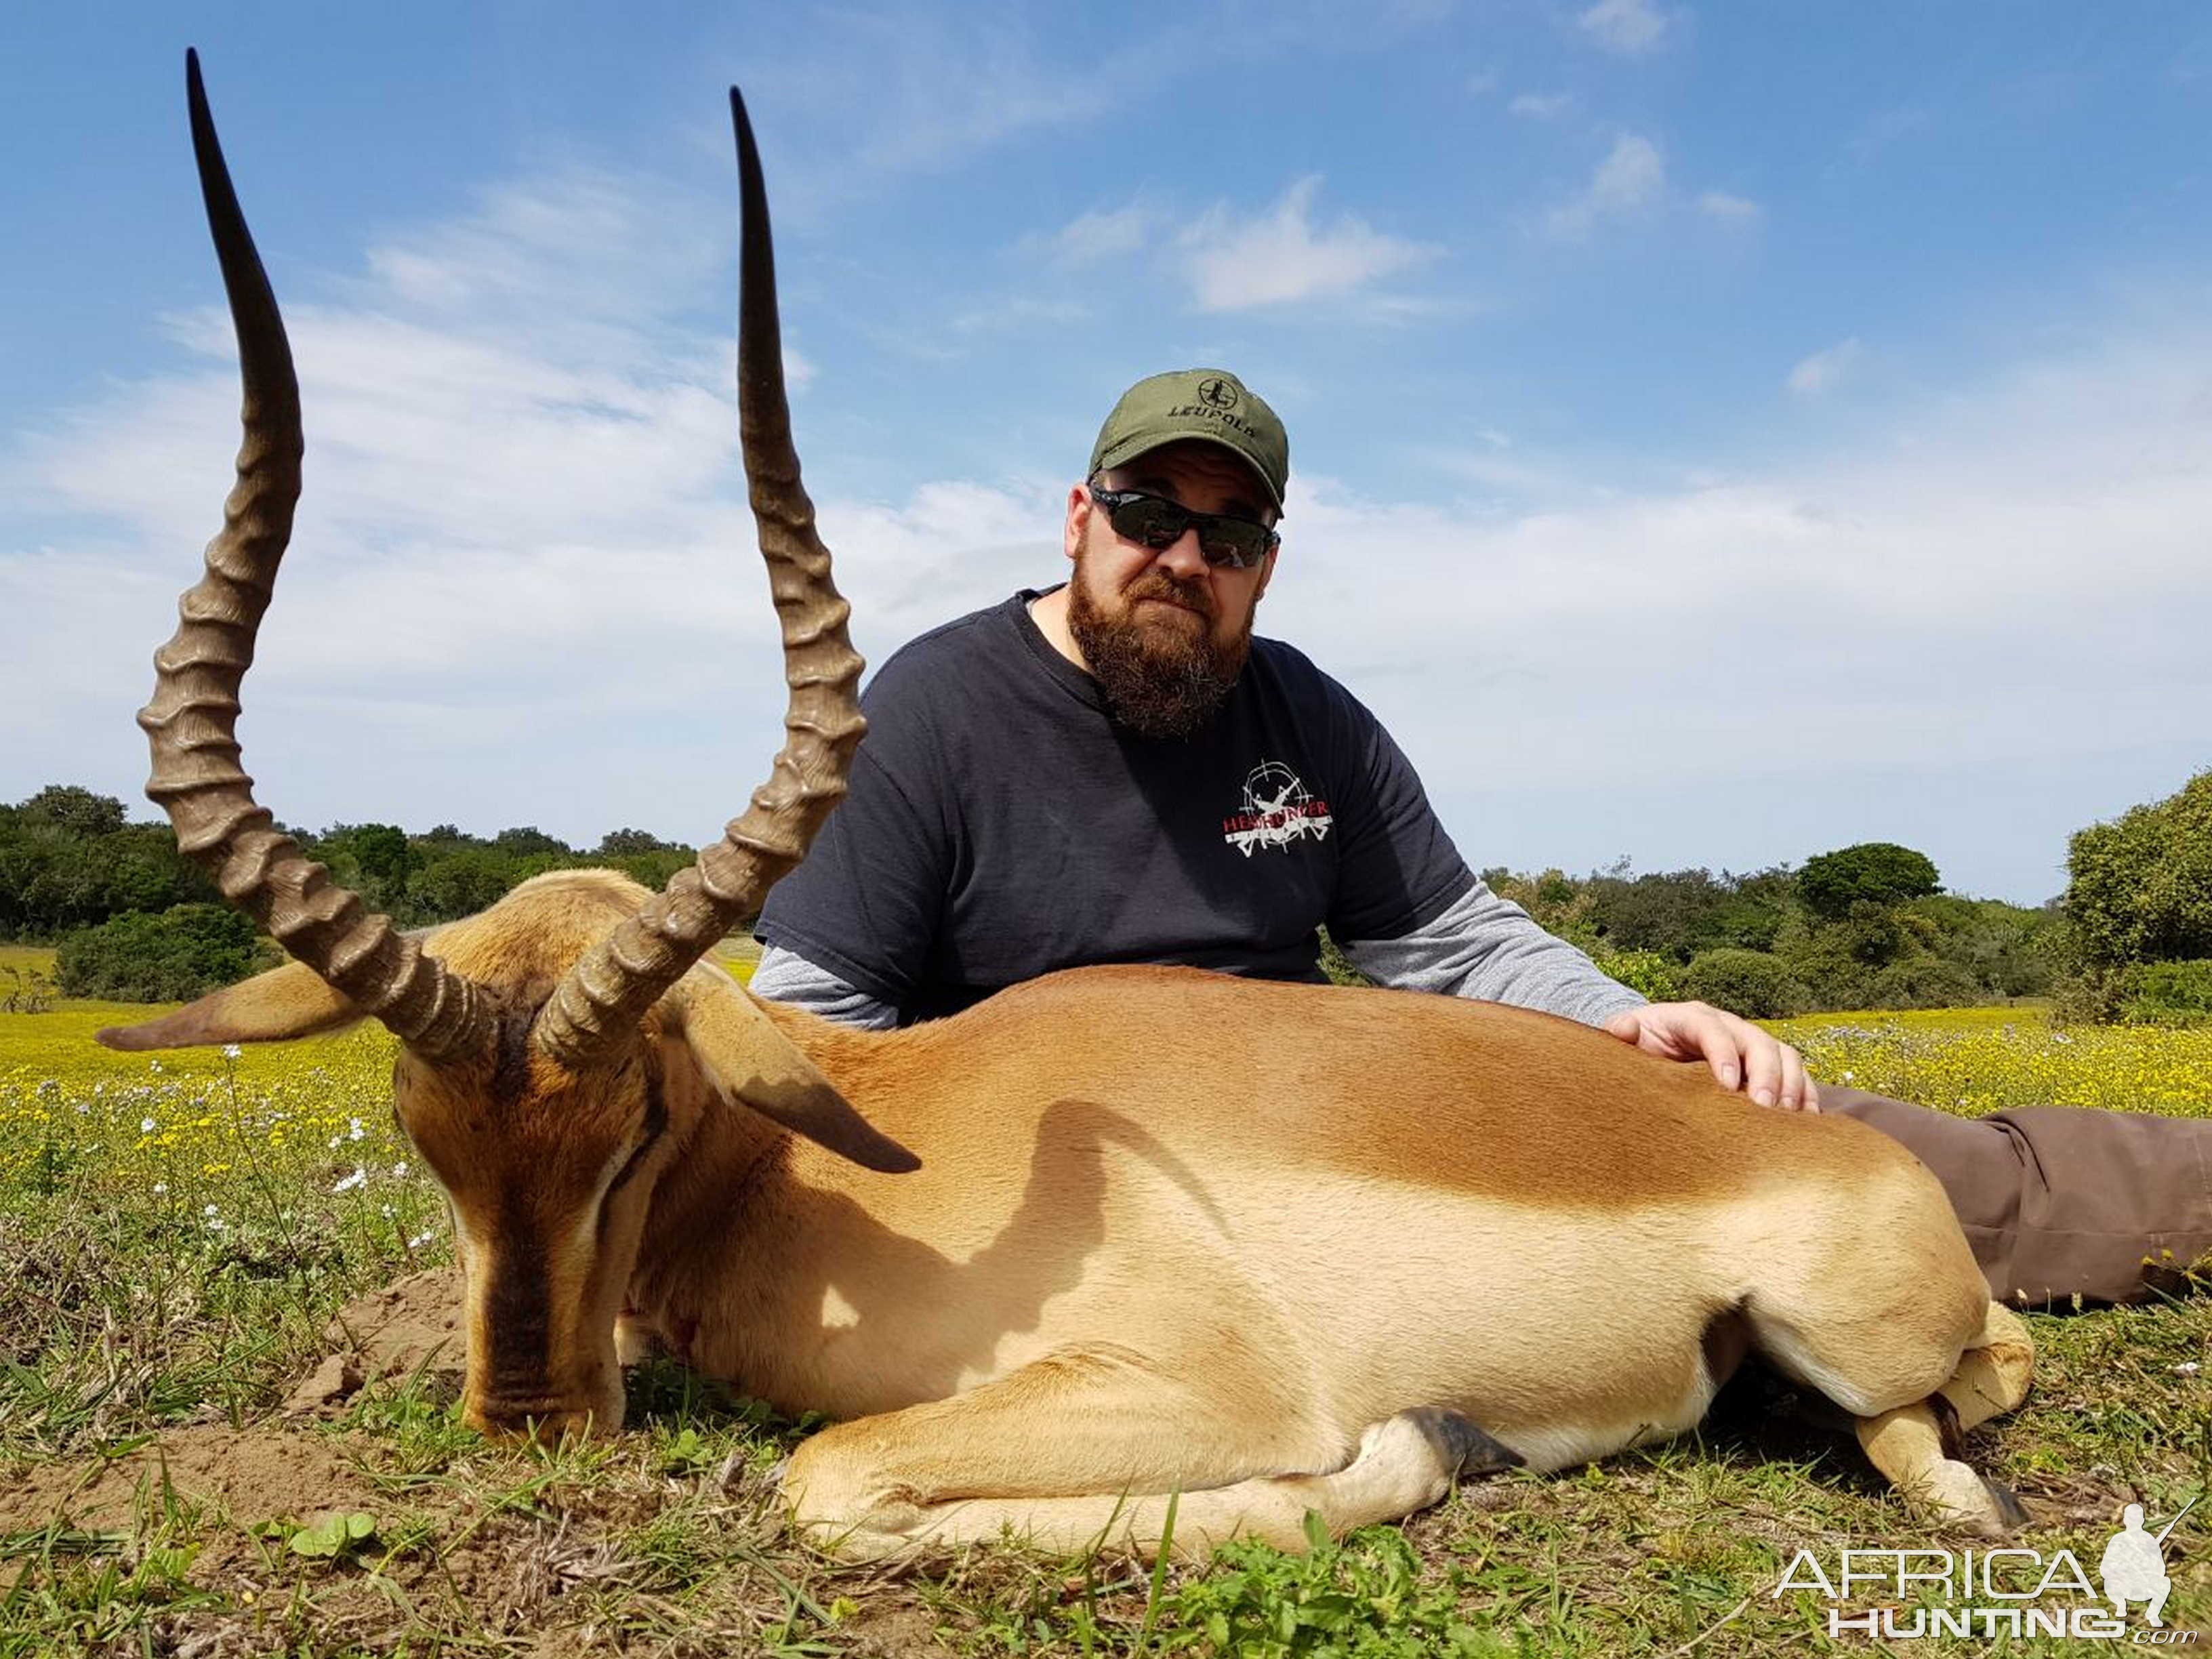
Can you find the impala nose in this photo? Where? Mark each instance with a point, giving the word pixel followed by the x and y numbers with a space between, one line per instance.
pixel 544 1420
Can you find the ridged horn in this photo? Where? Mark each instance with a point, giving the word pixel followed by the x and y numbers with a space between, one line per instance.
pixel 192 722
pixel 606 993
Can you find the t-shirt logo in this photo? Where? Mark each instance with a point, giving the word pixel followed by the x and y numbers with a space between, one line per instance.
pixel 1277 811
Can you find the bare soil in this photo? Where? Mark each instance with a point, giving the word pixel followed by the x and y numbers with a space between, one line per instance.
pixel 413 1324
pixel 246 1476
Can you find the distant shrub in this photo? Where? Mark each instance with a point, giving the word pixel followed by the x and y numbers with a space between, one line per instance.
pixel 1872 872
pixel 179 953
pixel 1925 982
pixel 2141 886
pixel 1747 982
pixel 1646 971
pixel 2166 994
pixel 1335 964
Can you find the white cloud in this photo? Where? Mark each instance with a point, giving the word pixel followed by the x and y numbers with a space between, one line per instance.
pixel 1507 471
pixel 1720 204
pixel 1541 106
pixel 1631 177
pixel 1282 256
pixel 1101 234
pixel 916 90
pixel 1935 635
pixel 1821 372
pixel 1625 26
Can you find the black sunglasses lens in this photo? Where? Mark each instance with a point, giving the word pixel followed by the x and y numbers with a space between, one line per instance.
pixel 1149 520
pixel 1155 522
pixel 1231 542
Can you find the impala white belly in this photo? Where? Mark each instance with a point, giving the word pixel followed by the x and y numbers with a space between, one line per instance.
pixel 1565 1337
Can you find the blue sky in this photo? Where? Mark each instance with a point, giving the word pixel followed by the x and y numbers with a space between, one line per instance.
pixel 1719 433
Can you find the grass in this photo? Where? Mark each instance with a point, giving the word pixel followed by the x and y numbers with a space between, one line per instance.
pixel 177 1231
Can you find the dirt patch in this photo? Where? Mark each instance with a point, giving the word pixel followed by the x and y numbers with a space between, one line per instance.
pixel 256 1475
pixel 411 1325
pixel 893 1630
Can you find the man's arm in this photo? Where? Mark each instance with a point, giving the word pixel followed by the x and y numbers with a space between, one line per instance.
pixel 787 977
pixel 1490 948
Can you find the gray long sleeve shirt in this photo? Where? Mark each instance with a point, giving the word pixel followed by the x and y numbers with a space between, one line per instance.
pixel 1482 946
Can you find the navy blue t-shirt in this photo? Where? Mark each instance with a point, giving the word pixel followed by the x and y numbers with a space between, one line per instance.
pixel 1001 825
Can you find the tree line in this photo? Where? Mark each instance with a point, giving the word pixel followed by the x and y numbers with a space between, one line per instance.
pixel 1868 925
pixel 132 919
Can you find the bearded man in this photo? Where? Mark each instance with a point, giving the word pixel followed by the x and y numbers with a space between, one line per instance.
pixel 1116 770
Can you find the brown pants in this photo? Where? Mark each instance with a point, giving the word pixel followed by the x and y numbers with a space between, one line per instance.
pixel 2060 1201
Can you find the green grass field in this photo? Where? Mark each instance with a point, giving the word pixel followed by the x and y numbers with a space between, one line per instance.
pixel 178 1231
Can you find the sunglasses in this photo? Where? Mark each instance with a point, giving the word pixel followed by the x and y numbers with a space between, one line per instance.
pixel 1155 522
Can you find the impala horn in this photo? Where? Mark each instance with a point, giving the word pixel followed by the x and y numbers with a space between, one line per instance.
pixel 612 985
pixel 192 721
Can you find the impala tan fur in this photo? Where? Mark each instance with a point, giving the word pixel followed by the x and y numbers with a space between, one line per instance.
pixel 1114 1242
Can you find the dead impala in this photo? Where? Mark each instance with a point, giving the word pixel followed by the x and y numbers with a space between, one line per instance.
pixel 1110 1239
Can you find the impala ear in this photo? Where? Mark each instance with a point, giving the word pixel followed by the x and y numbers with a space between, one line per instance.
pixel 291 1001
pixel 754 1064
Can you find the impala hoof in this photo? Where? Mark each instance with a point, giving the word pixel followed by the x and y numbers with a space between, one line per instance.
pixel 1461 1446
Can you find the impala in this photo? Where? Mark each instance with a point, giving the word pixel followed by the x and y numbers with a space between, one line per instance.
pixel 1141 1254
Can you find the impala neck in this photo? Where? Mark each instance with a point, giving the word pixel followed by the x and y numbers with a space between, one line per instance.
pixel 712 1247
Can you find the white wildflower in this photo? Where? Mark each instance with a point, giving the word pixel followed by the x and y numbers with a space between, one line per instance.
pixel 421 1238
pixel 400 1168
pixel 349 1183
pixel 211 1210
pixel 353 1130
pixel 160 1188
pixel 147 1126
pixel 231 1051
pixel 386 1211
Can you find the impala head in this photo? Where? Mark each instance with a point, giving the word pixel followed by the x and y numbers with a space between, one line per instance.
pixel 556 1049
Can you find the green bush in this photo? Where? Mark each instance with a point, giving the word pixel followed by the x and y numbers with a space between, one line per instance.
pixel 1924 981
pixel 1646 971
pixel 1872 872
pixel 2167 994
pixel 180 953
pixel 2140 888
pixel 1747 982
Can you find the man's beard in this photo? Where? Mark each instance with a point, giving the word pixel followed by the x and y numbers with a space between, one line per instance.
pixel 1160 681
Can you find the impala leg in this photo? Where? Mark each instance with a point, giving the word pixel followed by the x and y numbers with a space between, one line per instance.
pixel 1917 1446
pixel 1071 1463
pixel 1993 1375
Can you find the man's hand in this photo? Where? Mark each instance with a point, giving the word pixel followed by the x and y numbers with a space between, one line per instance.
pixel 1742 1055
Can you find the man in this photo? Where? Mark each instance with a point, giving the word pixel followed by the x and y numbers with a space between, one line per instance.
pixel 1116 770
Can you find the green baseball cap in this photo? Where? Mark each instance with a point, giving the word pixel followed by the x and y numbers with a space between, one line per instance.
pixel 1208 404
